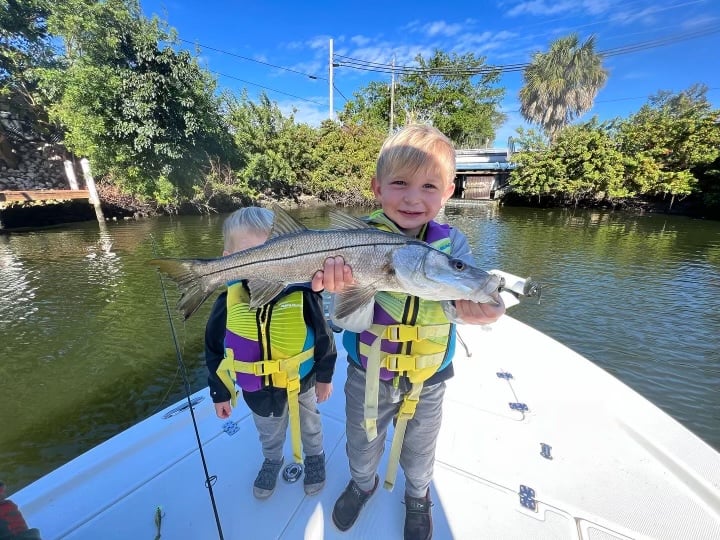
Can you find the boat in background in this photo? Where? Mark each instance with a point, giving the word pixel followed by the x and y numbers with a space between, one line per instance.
pixel 536 442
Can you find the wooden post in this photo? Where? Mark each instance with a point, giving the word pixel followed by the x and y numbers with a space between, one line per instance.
pixel 70 173
pixel 92 191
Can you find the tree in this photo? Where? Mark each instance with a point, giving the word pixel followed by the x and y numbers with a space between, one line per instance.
pixel 668 138
pixel 457 94
pixel 560 85
pixel 345 158
pixel 582 163
pixel 145 116
pixel 24 48
pixel 24 44
pixel 276 152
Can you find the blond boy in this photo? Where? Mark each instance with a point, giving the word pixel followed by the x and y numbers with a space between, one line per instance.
pixel 414 179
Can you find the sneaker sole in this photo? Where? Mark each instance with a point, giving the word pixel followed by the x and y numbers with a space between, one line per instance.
pixel 262 493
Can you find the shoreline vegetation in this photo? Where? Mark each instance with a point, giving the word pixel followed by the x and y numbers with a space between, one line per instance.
pixel 118 207
pixel 68 91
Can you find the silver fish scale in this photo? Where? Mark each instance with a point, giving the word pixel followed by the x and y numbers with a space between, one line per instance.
pixel 295 257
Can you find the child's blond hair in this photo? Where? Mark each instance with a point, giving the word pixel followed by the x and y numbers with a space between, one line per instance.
pixel 414 147
pixel 251 219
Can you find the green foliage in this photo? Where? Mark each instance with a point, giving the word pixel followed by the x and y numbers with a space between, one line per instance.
pixel 345 156
pixel 581 163
pixel 371 107
pixel 24 41
pixel 276 152
pixel 668 138
pixel 560 85
pixel 146 117
pixel 455 93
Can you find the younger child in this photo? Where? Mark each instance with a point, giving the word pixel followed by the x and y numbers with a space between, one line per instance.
pixel 287 342
pixel 414 179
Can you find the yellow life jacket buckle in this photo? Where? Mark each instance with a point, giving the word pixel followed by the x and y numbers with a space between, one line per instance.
pixel 265 367
pixel 293 385
pixel 400 362
pixel 402 333
pixel 407 409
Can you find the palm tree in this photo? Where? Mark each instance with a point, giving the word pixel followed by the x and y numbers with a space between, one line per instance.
pixel 561 84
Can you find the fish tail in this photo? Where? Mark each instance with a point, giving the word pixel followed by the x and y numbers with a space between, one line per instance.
pixel 193 285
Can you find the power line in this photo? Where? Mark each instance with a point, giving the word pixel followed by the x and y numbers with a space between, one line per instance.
pixel 309 75
pixel 363 65
pixel 266 87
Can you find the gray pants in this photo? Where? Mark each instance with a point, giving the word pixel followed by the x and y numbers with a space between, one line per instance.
pixel 272 430
pixel 417 457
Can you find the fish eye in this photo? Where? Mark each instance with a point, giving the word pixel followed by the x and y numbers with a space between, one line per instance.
pixel 457 264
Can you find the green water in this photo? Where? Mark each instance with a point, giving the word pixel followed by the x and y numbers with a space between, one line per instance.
pixel 86 351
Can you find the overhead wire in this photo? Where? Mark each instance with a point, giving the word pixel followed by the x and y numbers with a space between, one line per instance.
pixel 309 75
pixel 265 87
pixel 379 67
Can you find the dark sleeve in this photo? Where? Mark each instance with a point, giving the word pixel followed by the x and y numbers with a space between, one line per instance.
pixel 215 348
pixel 325 353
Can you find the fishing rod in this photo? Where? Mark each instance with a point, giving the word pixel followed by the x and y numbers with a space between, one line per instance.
pixel 209 480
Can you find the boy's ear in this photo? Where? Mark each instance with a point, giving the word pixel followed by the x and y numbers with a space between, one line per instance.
pixel 449 192
pixel 375 186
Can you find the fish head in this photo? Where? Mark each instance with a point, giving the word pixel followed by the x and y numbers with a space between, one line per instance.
pixel 424 271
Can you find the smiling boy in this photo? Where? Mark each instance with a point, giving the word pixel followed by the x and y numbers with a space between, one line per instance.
pixel 400 348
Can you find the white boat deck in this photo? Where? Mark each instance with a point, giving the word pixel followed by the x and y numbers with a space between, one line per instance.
pixel 617 468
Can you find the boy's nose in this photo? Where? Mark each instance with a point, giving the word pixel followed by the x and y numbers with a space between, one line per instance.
pixel 411 196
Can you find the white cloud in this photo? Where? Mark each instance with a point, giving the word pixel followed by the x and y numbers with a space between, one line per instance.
pixel 360 41
pixel 305 112
pixel 548 7
pixel 441 28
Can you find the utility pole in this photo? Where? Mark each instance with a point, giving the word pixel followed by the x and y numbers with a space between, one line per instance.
pixel 332 112
pixel 392 95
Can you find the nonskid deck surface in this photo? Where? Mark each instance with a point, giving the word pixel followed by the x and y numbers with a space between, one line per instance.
pixel 594 459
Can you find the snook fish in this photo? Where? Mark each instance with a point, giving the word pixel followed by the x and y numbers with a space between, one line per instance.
pixel 380 261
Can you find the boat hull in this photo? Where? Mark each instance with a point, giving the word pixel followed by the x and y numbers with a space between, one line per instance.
pixel 537 442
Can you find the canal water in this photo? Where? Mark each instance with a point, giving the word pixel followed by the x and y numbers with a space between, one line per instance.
pixel 86 350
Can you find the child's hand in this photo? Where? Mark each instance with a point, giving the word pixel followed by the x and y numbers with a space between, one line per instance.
pixel 323 391
pixel 223 409
pixel 334 277
pixel 471 312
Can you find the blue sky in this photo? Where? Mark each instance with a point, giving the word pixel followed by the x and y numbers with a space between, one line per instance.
pixel 275 45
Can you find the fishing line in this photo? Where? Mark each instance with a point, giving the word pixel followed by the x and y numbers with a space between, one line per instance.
pixel 209 480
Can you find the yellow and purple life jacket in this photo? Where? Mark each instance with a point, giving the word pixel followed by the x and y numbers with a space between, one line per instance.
pixel 268 346
pixel 259 342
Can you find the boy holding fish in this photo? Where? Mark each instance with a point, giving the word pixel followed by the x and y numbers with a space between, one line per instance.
pixel 400 346
pixel 282 356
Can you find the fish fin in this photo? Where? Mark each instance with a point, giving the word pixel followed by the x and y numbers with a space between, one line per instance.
pixel 352 299
pixel 261 291
pixel 341 220
pixel 186 273
pixel 284 223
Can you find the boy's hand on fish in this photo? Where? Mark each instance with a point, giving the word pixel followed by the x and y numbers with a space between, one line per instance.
pixel 470 312
pixel 334 276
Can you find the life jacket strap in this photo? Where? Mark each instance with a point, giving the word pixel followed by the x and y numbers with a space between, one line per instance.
pixel 406 412
pixel 286 374
pixel 412 362
pixel 372 389
pixel 418 367
pixel 406 332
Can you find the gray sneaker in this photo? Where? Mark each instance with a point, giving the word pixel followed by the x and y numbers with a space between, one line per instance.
pixel 314 479
pixel 267 479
